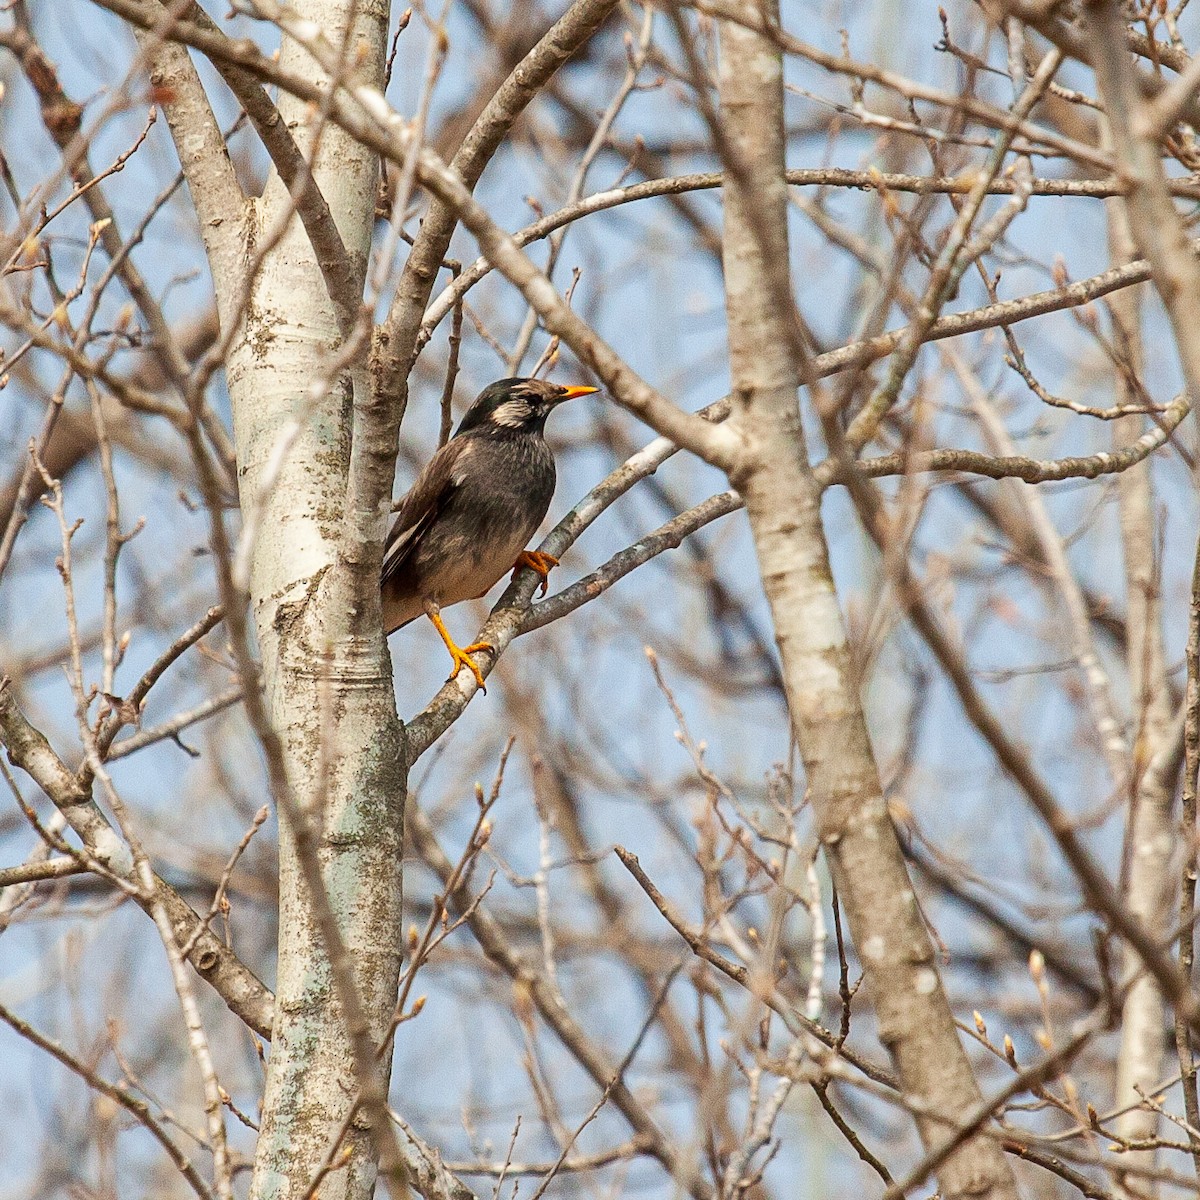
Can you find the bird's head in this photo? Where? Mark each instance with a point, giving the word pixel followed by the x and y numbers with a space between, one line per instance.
pixel 521 405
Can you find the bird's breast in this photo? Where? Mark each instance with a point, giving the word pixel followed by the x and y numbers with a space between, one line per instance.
pixel 500 499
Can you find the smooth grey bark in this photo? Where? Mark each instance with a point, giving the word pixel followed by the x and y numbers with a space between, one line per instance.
pixel 782 498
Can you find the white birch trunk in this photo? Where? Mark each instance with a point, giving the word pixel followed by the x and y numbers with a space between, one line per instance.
pixel 329 690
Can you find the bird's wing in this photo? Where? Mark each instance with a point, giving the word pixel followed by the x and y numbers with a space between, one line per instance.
pixel 420 506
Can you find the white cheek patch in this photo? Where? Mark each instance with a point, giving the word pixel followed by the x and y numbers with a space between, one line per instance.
pixel 512 413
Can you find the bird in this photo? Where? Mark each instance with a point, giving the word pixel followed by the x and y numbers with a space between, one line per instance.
pixel 475 504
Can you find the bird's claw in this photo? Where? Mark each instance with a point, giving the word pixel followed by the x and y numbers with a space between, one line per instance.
pixel 539 562
pixel 462 658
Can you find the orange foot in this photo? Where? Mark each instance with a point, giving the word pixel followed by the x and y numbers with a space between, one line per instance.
pixel 462 658
pixel 535 560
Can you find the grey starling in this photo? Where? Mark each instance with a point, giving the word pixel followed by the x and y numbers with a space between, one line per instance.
pixel 478 501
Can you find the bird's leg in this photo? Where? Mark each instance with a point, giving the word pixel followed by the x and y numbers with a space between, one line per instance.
pixel 537 561
pixel 462 657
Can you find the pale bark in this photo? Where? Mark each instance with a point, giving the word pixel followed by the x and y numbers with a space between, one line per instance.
pixel 1151 836
pixel 328 682
pixel 783 504
pixel 1155 226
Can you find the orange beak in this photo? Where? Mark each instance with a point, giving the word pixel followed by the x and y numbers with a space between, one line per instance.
pixel 570 393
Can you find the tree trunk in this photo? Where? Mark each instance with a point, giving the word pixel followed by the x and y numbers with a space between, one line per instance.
pixel 329 686
pixel 783 505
